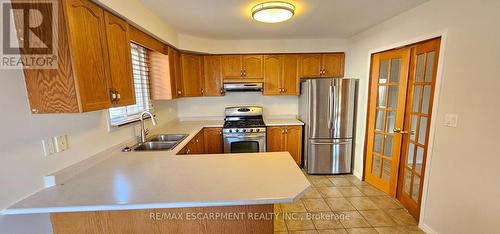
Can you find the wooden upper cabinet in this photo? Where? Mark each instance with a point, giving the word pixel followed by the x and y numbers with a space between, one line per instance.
pixel 291 79
pixel 212 75
pixel 120 62
pixel 253 66
pixel 243 66
pixel 333 65
pixel 322 65
pixel 213 141
pixel 89 53
pixel 174 58
pixel 310 65
pixel 232 66
pixel 191 70
pixel 273 75
pixel 281 75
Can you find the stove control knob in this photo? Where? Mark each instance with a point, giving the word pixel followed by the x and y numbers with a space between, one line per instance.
pixel 257 130
pixel 251 130
pixel 230 130
pixel 244 130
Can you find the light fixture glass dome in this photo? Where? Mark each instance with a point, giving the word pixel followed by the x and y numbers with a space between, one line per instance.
pixel 273 12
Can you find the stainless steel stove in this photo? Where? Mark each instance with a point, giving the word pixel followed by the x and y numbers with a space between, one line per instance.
pixel 244 130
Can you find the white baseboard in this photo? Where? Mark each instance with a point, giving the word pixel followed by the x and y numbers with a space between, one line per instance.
pixel 427 229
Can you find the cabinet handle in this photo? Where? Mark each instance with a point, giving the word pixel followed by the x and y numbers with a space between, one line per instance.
pixel 188 151
pixel 222 91
pixel 244 73
pixel 202 92
pixel 284 90
pixel 118 96
pixel 197 140
pixel 286 130
pixel 113 95
pixel 179 92
pixel 241 73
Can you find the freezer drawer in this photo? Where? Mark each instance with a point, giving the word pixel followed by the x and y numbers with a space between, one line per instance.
pixel 329 156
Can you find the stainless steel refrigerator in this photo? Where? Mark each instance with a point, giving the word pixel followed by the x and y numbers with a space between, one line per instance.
pixel 328 109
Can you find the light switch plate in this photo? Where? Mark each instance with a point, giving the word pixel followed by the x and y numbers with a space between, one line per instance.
pixel 48 147
pixel 61 143
pixel 451 120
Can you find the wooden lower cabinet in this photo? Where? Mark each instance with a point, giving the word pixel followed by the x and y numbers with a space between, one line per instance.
pixel 207 141
pixel 213 141
pixel 172 220
pixel 286 138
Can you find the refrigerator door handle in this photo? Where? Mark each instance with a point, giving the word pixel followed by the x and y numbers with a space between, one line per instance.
pixel 330 107
pixel 331 143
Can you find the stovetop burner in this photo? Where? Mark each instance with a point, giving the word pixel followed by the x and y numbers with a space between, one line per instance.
pixel 245 123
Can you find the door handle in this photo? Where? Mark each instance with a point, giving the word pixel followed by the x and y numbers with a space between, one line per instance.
pixel 330 143
pixel 330 103
pixel 400 131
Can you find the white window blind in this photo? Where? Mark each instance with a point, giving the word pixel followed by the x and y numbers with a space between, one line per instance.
pixel 140 68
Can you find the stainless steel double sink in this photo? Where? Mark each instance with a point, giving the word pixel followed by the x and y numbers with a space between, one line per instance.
pixel 162 142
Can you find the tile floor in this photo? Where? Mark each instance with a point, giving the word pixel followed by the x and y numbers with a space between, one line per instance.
pixel 343 204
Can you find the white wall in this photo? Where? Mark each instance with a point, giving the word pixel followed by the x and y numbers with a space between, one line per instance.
pixel 22 165
pixel 463 176
pixel 214 106
pixel 187 42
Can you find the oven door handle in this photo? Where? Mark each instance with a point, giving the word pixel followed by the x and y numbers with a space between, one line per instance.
pixel 243 137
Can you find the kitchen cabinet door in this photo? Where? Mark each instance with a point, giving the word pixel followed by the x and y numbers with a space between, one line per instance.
pixel 291 79
pixel 89 53
pixel 212 75
pixel 310 65
pixel 232 66
pixel 273 71
pixel 333 65
pixel 293 142
pixel 120 62
pixel 198 142
pixel 275 139
pixel 213 141
pixel 191 68
pixel 174 60
pixel 253 66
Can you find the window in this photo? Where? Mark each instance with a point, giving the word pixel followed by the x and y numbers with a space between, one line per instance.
pixel 140 67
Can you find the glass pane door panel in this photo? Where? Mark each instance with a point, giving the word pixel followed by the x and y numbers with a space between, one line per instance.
pixel 382 94
pixel 386 169
pixel 390 121
pixel 416 98
pixel 426 99
pixel 376 166
pixel 413 127
pixel 420 68
pixel 415 190
pixel 379 122
pixel 395 70
pixel 377 143
pixel 388 146
pixel 411 152
pixel 429 67
pixel 407 182
pixel 384 71
pixel 420 160
pixel 393 96
pixel 422 130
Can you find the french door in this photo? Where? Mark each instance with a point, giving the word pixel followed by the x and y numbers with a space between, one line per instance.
pixel 387 107
pixel 399 113
pixel 422 80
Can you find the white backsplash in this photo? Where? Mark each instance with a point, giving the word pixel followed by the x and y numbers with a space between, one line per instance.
pixel 214 106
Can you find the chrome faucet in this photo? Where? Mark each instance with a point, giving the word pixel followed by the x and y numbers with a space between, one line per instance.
pixel 144 131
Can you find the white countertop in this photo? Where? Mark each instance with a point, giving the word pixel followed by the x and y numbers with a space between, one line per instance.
pixel 282 122
pixel 147 180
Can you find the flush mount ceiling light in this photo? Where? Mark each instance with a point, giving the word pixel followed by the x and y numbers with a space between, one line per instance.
pixel 273 12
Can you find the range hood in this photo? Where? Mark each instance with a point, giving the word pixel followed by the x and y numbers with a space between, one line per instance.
pixel 243 87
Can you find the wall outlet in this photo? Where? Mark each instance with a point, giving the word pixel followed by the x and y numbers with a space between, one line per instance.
pixel 61 143
pixel 451 120
pixel 48 147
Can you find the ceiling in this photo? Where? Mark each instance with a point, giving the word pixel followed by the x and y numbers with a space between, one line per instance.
pixel 231 19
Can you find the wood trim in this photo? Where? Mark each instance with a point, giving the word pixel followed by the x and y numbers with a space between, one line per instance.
pixel 147 41
pixel 156 221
